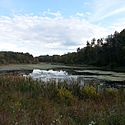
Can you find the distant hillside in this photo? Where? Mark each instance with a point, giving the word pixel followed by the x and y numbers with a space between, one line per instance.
pixel 8 57
pixel 101 52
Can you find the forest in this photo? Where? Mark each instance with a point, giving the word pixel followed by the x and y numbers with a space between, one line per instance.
pixel 97 52
pixel 8 57
pixel 101 52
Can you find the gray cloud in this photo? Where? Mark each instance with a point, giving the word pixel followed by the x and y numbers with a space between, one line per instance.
pixel 45 34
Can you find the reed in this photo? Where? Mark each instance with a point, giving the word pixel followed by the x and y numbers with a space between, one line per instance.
pixel 24 101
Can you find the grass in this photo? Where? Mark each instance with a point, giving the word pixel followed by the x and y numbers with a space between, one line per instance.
pixel 27 66
pixel 40 66
pixel 24 101
pixel 46 66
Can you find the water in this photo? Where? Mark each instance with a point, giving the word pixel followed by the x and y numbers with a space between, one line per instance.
pixel 61 76
pixel 69 75
pixel 58 76
pixel 80 76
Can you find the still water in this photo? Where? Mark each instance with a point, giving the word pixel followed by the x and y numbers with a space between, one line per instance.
pixel 80 76
pixel 56 75
pixel 73 76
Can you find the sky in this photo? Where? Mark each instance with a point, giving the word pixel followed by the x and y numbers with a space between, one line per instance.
pixel 43 27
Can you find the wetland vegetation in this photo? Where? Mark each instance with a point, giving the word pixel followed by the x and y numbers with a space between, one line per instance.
pixel 24 101
pixel 78 88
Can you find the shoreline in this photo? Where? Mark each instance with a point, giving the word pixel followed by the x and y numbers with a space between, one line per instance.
pixel 47 66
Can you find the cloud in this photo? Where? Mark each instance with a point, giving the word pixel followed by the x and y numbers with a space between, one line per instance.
pixel 118 25
pixel 112 13
pixel 46 34
pixel 103 9
pixel 53 33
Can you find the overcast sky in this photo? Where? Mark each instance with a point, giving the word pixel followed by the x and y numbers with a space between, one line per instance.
pixel 43 27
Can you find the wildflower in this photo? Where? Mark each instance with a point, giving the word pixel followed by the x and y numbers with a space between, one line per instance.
pixel 92 123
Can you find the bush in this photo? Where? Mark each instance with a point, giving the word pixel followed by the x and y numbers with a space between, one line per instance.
pixel 27 102
pixel 65 95
pixel 89 92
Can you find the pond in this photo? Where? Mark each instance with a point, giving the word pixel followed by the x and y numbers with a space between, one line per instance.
pixel 69 74
pixel 82 77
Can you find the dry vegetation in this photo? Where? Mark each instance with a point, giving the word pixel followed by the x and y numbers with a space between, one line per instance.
pixel 27 102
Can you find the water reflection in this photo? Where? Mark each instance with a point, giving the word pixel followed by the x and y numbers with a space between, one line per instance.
pixel 111 79
pixel 60 76
pixel 51 75
pixel 83 77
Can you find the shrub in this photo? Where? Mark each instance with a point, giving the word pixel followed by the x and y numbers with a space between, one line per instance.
pixel 27 102
pixel 89 92
pixel 65 95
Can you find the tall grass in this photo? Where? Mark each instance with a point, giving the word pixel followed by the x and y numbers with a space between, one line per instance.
pixel 24 101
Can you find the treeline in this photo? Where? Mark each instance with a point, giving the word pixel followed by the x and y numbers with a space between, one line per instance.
pixel 101 52
pixel 16 58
